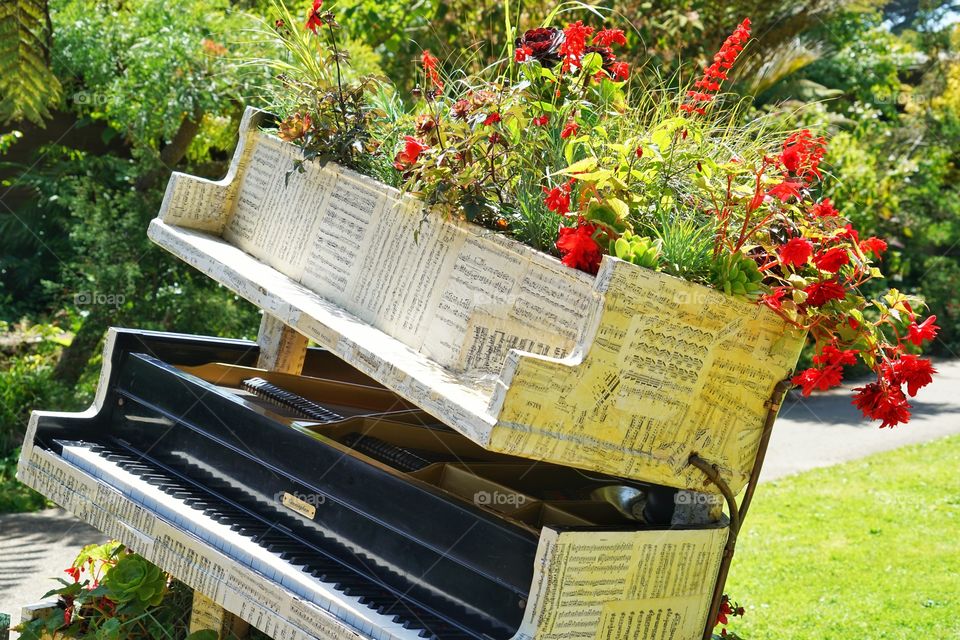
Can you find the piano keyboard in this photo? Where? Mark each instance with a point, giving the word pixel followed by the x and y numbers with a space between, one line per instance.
pixel 267 548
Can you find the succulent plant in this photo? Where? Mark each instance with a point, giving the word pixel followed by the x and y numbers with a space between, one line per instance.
pixel 640 250
pixel 134 578
pixel 738 275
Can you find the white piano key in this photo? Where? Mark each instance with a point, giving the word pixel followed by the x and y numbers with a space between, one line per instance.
pixel 240 548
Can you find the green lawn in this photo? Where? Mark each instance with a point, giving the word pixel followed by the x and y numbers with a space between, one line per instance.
pixel 865 550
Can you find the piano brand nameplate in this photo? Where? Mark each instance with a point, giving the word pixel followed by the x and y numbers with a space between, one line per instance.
pixel 626 373
pixel 302 507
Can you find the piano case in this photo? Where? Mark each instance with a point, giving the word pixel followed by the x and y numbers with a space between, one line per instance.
pixel 326 506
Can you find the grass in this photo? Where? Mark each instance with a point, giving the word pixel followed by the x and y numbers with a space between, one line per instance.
pixel 865 550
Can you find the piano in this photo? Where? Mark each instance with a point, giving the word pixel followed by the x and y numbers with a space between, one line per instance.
pixel 323 505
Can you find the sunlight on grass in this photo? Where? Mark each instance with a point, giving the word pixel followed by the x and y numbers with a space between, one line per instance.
pixel 865 550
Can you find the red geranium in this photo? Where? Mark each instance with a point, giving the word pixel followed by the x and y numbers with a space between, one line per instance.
pixel 578 248
pixel 824 209
pixel 832 259
pixel 883 402
pixel 796 252
pixel 873 245
pixel 820 293
pixel 558 198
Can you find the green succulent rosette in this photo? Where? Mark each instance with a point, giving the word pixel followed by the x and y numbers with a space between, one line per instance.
pixel 134 579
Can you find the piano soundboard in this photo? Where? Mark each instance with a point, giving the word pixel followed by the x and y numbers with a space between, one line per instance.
pixel 323 505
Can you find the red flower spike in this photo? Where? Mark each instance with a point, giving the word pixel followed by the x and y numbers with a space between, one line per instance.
pixel 920 333
pixel 832 259
pixel 578 248
pixel 314 21
pixel 796 252
pixel 430 63
pixel 609 37
pixel 574 42
pixel 522 54
pixel 709 84
pixel 802 154
pixel 569 129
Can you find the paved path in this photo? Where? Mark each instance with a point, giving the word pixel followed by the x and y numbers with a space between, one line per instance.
pixel 826 429
pixel 811 432
pixel 34 549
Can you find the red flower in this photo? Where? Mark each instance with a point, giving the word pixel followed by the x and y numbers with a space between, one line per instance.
pixel 541 121
pixel 883 402
pixel 574 42
pixel 821 379
pixel 639 152
pixel 313 18
pixel 73 572
pixel 620 70
pixel 802 154
pixel 824 209
pixel 430 63
pixel 542 44
pixel 820 293
pixel 832 259
pixel 796 252
pixel 578 248
pixel 873 245
pixel 609 37
pixel 493 118
pixel 830 355
pixel 412 148
pixel 911 370
pixel 774 299
pixel 786 190
pixel 713 75
pixel 920 333
pixel 569 129
pixel 558 198
pixel 523 53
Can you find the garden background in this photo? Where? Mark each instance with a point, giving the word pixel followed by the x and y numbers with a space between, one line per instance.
pixel 101 99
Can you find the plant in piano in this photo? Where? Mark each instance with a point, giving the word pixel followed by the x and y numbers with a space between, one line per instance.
pixel 329 102
pixel 112 593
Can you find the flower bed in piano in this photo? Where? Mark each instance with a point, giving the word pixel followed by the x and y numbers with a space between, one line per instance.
pixel 692 262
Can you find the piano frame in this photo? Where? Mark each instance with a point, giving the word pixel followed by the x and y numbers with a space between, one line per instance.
pixel 237 589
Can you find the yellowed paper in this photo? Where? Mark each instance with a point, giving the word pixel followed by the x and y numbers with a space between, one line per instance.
pixel 604 584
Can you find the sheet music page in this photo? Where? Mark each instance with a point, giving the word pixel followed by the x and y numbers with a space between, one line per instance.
pixel 673 369
pixel 606 585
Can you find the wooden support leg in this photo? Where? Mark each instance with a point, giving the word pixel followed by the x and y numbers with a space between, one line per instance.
pixel 281 348
pixel 207 614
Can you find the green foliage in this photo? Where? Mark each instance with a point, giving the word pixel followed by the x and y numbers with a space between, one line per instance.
pixel 27 86
pixel 15 497
pixel 639 250
pixel 115 595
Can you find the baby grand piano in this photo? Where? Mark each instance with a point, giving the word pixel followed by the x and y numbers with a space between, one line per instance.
pixel 322 505
pixel 489 445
